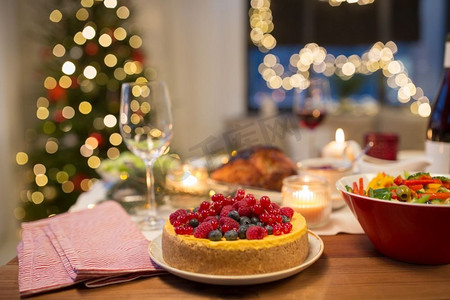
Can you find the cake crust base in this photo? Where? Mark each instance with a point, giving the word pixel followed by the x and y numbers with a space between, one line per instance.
pixel 187 256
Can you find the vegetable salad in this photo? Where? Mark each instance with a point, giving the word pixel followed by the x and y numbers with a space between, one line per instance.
pixel 416 188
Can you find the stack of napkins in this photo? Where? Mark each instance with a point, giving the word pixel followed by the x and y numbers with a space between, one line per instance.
pixel 97 246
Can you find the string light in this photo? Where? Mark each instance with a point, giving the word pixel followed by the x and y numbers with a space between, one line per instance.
pixel 312 56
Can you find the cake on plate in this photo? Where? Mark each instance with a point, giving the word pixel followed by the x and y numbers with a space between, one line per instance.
pixel 238 235
pixel 259 166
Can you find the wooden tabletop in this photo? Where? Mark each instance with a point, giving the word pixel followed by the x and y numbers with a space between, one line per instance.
pixel 349 268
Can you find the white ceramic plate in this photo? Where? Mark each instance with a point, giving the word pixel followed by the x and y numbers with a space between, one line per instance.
pixel 315 251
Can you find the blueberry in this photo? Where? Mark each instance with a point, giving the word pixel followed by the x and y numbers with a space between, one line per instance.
pixel 260 224
pixel 195 209
pixel 285 219
pixel 231 235
pixel 215 235
pixel 234 215
pixel 242 231
pixel 254 220
pixel 193 222
pixel 245 220
pixel 269 229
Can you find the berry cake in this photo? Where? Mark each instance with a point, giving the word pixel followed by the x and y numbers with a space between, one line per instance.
pixel 238 235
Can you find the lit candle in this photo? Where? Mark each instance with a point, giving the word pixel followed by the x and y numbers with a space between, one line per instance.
pixel 187 180
pixel 339 148
pixel 309 196
pixel 335 148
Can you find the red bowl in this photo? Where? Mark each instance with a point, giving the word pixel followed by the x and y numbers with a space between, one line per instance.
pixel 415 233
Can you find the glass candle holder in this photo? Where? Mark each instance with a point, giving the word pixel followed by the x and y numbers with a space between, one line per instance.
pixel 308 195
pixel 384 145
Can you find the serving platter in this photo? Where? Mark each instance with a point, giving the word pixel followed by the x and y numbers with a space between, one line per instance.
pixel 316 247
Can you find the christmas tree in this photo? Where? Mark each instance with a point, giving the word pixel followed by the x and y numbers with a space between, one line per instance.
pixel 92 48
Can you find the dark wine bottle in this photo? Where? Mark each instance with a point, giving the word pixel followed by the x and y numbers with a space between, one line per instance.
pixel 437 144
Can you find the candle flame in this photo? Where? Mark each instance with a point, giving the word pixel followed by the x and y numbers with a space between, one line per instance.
pixel 190 181
pixel 340 137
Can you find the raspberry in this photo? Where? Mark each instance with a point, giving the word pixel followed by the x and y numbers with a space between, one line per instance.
pixel 217 197
pixel 287 211
pixel 265 201
pixel 174 216
pixel 275 206
pixel 209 218
pixel 229 222
pixel 236 205
pixel 202 230
pixel 245 210
pixel 226 210
pixel 255 233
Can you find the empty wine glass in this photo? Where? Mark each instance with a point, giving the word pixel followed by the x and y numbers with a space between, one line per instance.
pixel 146 127
pixel 309 106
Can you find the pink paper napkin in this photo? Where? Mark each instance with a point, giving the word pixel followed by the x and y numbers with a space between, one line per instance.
pixel 96 246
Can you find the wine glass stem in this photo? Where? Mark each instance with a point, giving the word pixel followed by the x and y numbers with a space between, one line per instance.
pixel 311 143
pixel 151 201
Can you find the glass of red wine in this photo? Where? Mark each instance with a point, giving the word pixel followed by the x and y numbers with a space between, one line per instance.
pixel 310 108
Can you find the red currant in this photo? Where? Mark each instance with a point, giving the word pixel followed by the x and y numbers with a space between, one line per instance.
pixel 251 200
pixel 287 227
pixel 182 218
pixel 214 223
pixel 204 205
pixel 226 227
pixel 188 230
pixel 265 201
pixel 218 205
pixel 240 194
pixel 278 218
pixel 258 209
pixel 227 201
pixel 277 230
pixel 179 229
pixel 275 211
pixel 264 218
pixel 217 197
